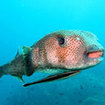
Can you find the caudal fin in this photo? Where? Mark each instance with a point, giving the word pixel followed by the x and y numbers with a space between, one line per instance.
pixel 1 72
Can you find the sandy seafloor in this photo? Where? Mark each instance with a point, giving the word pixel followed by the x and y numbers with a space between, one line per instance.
pixel 24 22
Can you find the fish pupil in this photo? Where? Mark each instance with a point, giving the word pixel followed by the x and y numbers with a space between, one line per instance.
pixel 61 40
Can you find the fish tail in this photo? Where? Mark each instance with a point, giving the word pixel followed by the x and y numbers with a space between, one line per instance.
pixel 1 72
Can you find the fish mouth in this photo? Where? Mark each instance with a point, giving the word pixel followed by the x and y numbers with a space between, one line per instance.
pixel 95 54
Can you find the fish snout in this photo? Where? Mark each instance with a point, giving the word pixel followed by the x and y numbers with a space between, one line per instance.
pixel 95 52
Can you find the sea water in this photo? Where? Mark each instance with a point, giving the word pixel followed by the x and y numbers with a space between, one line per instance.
pixel 24 22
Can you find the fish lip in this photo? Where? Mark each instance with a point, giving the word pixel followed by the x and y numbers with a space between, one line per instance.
pixel 94 49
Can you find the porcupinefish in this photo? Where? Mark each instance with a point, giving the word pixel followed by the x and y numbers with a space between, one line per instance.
pixel 62 53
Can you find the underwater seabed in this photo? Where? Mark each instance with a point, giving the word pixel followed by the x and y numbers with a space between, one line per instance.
pixel 86 88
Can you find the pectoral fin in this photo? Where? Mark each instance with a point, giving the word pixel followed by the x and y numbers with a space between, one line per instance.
pixel 26 50
pixel 54 77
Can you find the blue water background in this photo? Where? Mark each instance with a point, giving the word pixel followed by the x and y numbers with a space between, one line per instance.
pixel 23 22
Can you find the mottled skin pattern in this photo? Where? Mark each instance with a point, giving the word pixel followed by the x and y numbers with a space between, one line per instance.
pixel 47 55
pixel 67 56
pixel 71 55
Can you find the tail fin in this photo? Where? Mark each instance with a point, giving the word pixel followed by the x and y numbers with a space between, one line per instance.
pixel 1 72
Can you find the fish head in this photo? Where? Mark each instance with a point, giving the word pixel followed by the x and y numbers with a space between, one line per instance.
pixel 70 50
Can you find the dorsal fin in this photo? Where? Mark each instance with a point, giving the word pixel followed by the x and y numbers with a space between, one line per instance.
pixel 17 54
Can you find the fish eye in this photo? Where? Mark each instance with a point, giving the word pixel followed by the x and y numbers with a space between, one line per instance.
pixel 61 41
